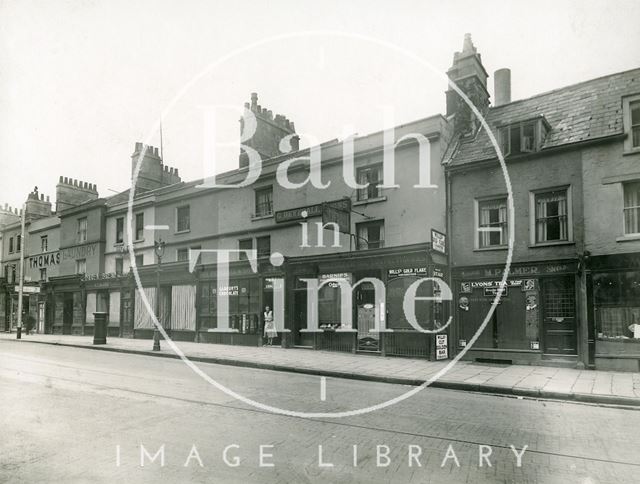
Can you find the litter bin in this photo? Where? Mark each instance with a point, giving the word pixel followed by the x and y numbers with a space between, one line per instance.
pixel 100 328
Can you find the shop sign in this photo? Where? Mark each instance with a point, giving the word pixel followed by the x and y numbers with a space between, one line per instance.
pixel 410 271
pixel 102 276
pixel 442 352
pixel 493 291
pixel 438 241
pixel 44 260
pixel 225 290
pixel 310 211
pixel 346 276
pixel 28 289
pixel 438 272
pixel 530 270
pixel 495 284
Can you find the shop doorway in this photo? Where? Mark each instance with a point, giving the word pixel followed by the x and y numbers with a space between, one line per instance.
pixel 41 318
pixel 67 313
pixel 300 319
pixel 368 338
pixel 559 316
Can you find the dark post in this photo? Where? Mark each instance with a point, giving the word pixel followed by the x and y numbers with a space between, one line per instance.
pixel 100 328
pixel 159 249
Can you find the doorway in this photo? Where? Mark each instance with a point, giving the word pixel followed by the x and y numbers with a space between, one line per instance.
pixel 559 315
pixel 67 313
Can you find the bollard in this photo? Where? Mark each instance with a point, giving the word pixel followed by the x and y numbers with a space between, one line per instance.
pixel 19 332
pixel 100 328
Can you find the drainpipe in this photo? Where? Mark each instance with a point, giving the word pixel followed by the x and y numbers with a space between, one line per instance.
pixel 453 332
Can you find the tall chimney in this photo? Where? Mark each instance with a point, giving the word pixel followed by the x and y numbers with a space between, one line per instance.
pixel 502 87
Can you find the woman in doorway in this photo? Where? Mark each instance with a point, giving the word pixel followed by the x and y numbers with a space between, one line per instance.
pixel 269 326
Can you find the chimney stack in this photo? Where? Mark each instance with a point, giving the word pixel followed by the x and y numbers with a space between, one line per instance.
pixel 502 87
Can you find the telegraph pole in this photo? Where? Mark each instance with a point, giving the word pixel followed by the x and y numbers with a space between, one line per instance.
pixel 21 283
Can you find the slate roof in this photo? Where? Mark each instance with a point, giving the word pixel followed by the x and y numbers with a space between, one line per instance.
pixel 585 111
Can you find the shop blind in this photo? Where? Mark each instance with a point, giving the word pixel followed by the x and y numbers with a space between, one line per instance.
pixel 143 319
pixel 183 308
pixel 114 308
pixel 91 307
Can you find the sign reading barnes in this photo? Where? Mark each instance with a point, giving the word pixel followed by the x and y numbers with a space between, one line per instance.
pixel 311 211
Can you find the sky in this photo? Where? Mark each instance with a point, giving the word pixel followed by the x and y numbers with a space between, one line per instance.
pixel 82 80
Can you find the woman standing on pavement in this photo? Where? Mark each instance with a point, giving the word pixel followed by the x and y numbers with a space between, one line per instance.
pixel 269 326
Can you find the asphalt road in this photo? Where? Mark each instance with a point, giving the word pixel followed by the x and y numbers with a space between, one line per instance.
pixel 77 415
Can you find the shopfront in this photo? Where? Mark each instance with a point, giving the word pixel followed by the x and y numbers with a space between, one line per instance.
pixel 535 317
pixel 112 294
pixel 613 284
pixel 67 295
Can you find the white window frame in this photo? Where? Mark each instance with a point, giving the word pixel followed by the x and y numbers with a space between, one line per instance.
pixel 363 193
pixel 624 228
pixel 83 236
pixel 532 216
pixel 626 120
pixel 44 243
pixel 78 265
pixel 476 222
pixel 255 201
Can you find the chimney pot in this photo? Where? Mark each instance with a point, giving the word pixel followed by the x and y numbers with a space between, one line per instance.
pixel 176 172
pixel 60 180
pixel 47 198
pixel 502 87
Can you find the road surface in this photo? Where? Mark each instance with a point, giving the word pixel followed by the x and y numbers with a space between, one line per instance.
pixel 79 415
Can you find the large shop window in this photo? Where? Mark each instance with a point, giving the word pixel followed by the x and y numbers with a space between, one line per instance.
pixel 330 301
pixel 492 223
pixel 552 222
pixel 114 308
pixel 143 318
pixel 631 208
pixel 244 304
pixel 617 304
pixel 183 308
pixel 396 290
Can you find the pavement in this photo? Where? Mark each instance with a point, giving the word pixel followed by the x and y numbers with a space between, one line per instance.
pixel 589 386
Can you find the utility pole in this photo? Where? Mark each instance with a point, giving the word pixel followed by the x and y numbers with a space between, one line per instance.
pixel 21 283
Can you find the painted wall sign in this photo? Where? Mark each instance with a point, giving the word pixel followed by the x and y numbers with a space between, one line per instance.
pixel 529 270
pixel 311 210
pixel 438 241
pixel 80 252
pixel 102 276
pixel 44 260
pixel 409 271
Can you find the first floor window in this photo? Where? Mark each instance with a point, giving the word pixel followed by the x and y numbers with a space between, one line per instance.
pixel 551 216
pixel 44 243
pixel 370 235
pixel 264 202
pixel 139 260
pixel 43 274
pixel 10 244
pixel 13 273
pixel 183 255
pixel 634 107
pixel 632 207
pixel 18 243
pixel 81 266
pixel 492 223
pixel 244 245
pixel 119 230
pixel 371 175
pixel 263 246
pixel 139 226
pixel 119 266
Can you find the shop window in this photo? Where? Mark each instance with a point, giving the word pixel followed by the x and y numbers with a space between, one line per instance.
pixel 617 304
pixel 183 216
pixel 264 202
pixel 119 230
pixel 43 274
pixel 81 266
pixel 82 229
pixel 10 245
pixel 139 226
pixel 631 208
pixel 492 223
pixel 552 211
pixel 244 299
pixel 119 266
pixel 245 244
pixel 44 243
pixel 263 246
pixel 370 235
pixel 371 175
pixel 631 119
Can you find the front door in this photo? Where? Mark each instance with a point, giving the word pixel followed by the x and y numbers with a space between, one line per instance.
pixel 559 315
pixel 67 314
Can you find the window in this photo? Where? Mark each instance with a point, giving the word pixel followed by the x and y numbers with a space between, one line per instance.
pixel 370 235
pixel 13 273
pixel 520 138
pixel 139 226
pixel 245 244
pixel 82 229
pixel 263 246
pixel 44 243
pixel 10 244
pixel 631 208
pixel 182 255
pixel 373 176
pixel 43 275
pixel 18 243
pixel 119 230
pixel 264 202
pixel 552 221
pixel 119 266
pixel 81 266
pixel 492 223
pixel 631 120
pixel 139 260
pixel 183 215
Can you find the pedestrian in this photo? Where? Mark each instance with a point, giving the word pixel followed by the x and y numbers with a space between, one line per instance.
pixel 269 326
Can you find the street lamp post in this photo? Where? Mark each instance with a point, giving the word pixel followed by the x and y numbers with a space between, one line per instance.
pixel 158 247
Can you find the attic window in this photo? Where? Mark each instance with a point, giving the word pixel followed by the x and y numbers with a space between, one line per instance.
pixel 519 138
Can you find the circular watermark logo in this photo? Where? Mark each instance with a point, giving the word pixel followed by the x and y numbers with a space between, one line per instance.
pixel 277 259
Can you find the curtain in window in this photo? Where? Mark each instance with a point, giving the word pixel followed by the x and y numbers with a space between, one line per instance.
pixel 114 308
pixel 363 237
pixel 91 307
pixel 542 214
pixel 142 318
pixel 632 208
pixel 183 308
pixel 485 221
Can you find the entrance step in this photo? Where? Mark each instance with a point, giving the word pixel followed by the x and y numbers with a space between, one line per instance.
pixel 559 361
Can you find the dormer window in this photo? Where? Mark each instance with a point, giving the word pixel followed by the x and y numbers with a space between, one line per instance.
pixel 631 121
pixel 524 137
